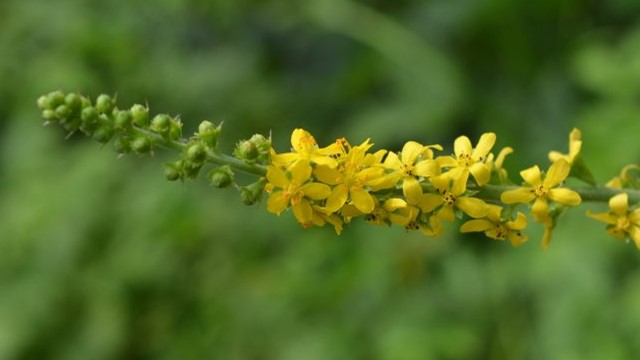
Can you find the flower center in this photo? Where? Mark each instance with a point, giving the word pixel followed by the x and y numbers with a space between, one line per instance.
pixel 623 223
pixel 412 225
pixel 540 191
pixel 408 170
pixel 448 198
pixel 465 160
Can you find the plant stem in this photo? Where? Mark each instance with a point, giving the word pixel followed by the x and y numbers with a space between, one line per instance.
pixel 590 194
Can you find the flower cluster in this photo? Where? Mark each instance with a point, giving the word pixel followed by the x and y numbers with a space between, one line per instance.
pixel 414 188
pixel 419 188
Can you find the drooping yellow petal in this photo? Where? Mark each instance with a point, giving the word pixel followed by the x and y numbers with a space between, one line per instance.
pixel 486 142
pixel 532 176
pixel 338 197
pixel 540 208
pixel 519 195
pixel 412 190
pixel 619 204
pixel 362 200
pixel 565 196
pixel 634 233
pixel 517 238
pixel 277 202
pixel 394 204
pixel 558 172
pixel 277 177
pixel 473 207
pixel 410 152
pixel 303 212
pixel 494 212
pixel 519 223
pixel 446 213
pixel 462 145
pixel 327 175
pixel 501 156
pixel 316 191
pixel 481 173
pixel 476 225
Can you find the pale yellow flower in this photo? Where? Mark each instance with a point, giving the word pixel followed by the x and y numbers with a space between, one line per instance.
pixel 469 159
pixel 622 222
pixel 305 147
pixel 575 143
pixel 497 228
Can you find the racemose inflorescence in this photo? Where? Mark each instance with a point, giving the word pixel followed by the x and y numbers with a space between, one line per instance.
pixel 420 188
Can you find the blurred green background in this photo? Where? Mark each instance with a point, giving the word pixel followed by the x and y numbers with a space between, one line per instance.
pixel 101 258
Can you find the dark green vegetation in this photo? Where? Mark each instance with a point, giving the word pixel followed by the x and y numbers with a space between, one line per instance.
pixel 102 258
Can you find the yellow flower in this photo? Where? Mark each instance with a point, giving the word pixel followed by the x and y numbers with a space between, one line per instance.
pixel 449 196
pixel 575 143
pixel 306 148
pixel 391 211
pixel 497 165
pixel 293 188
pixel 625 179
pixel 428 224
pixel 496 228
pixel 415 161
pixel 320 218
pixel 352 178
pixel 540 191
pixel 622 222
pixel 470 160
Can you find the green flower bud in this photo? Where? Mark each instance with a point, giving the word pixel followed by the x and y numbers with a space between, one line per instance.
pixel 246 150
pixel 161 124
pixel 43 103
pixel 140 115
pixel 122 120
pixel 175 130
pixel 264 147
pixel 63 112
pixel 190 169
pixel 54 99
pixel 103 134
pixel 71 124
pixel 141 145
pixel 122 145
pixel 104 104
pixel 252 193
pixel 49 115
pixel 208 133
pixel 221 177
pixel 73 101
pixel 172 170
pixel 89 117
pixel 197 153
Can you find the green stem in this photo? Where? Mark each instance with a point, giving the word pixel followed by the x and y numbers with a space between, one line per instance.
pixel 591 194
pixel 213 157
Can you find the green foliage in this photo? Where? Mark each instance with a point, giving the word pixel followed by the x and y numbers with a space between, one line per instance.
pixel 101 258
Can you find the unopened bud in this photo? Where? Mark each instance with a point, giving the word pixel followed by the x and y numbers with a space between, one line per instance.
pixel 221 177
pixel 161 124
pixel 73 101
pixel 103 134
pixel 209 134
pixel 172 170
pixel 104 104
pixel 246 150
pixel 122 145
pixel 140 115
pixel 122 119
pixel 197 153
pixel 141 145
pixel 252 193
pixel 63 112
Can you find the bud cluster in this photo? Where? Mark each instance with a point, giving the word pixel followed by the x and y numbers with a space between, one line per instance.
pixel 134 130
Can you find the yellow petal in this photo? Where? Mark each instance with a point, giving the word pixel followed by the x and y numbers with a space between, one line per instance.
pixel 447 161
pixel 501 156
pixel 517 238
pixel 519 223
pixel 540 208
pixel 619 204
pixel 486 142
pixel 565 196
pixel 557 173
pixel 412 190
pixel 473 207
pixel 323 160
pixel 446 213
pixel 284 158
pixel 410 152
pixel 604 217
pixel 362 200
pixel 519 195
pixel 459 185
pixel 300 171
pixel 302 141
pixel 277 177
pixel 532 175
pixel 462 145
pixel 634 232
pixel 476 225
pixel 277 202
pixel 427 168
pixel 556 155
pixel 316 191
pixel 546 237
pixel 327 175
pixel 392 161
pixel 303 212
pixel 494 212
pixel 429 202
pixel 394 204
pixel 442 182
pixel 481 173
pixel 337 198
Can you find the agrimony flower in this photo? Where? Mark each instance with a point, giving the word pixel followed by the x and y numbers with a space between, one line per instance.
pixel 497 228
pixel 540 190
pixel 469 159
pixel 450 196
pixel 575 143
pixel 305 147
pixel 293 188
pixel 622 223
